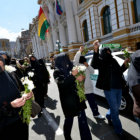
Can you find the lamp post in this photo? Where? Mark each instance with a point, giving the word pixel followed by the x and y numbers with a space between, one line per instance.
pixel 58 45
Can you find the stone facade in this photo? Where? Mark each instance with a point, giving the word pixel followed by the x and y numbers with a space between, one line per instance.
pixel 69 28
pixel 124 29
pixel 64 28
pixel 39 47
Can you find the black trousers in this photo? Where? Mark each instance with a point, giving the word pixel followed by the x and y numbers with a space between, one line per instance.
pixel 15 131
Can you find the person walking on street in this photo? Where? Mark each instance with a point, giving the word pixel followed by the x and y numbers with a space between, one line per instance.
pixel 81 60
pixel 110 80
pixel 70 102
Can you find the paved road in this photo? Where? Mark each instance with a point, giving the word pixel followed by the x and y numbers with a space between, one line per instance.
pixel 50 125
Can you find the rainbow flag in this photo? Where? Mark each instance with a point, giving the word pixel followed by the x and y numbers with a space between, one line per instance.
pixel 43 24
pixel 59 10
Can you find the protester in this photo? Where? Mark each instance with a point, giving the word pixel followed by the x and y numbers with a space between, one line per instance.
pixel 46 77
pixel 38 82
pixel 88 85
pixel 134 83
pixel 110 80
pixel 11 125
pixel 70 102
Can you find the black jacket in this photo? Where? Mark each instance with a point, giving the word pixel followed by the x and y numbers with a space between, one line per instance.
pixel 8 92
pixel 110 75
pixel 70 102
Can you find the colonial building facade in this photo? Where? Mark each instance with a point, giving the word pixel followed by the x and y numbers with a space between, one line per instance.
pixel 110 21
pixel 39 47
pixel 83 21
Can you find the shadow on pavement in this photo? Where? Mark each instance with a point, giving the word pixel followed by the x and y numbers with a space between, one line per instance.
pixel 103 131
pixel 50 103
pixel 43 127
pixel 102 102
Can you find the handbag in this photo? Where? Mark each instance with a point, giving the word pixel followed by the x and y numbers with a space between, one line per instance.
pixel 35 108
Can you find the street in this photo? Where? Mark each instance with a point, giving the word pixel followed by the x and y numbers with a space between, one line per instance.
pixel 50 125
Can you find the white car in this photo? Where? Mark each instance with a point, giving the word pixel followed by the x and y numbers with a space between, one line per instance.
pixel 127 98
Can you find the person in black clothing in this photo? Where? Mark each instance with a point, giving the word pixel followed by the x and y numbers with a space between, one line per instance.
pixel 46 77
pixel 11 125
pixel 38 81
pixel 110 80
pixel 70 102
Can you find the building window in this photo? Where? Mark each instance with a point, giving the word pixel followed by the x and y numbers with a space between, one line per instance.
pixel 137 10
pixel 80 1
pixel 85 31
pixel 107 20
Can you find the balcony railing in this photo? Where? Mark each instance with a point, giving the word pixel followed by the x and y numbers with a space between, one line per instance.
pixel 106 37
pixel 135 27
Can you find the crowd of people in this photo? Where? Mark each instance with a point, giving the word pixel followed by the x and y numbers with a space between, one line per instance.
pixel 11 100
pixel 110 80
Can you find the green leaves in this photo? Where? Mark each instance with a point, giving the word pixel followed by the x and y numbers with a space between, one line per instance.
pixel 80 90
pixel 85 51
pixel 126 55
pixel 26 111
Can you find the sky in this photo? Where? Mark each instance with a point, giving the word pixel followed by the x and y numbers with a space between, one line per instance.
pixel 15 16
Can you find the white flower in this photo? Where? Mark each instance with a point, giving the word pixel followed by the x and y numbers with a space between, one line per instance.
pixel 80 68
pixel 10 68
pixel 31 74
pixel 31 86
pixel 26 81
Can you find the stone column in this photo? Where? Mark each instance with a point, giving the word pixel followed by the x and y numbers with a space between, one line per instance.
pixel 55 38
pixel 36 50
pixel 62 35
pixel 70 22
pixel 50 43
pixel 123 14
pixel 37 44
pixel 77 22
pixel 88 25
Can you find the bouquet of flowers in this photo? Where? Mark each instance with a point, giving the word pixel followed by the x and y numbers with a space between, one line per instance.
pixel 80 85
pixel 27 108
pixel 126 55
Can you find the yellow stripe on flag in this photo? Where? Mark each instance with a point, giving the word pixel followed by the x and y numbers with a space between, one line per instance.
pixel 42 18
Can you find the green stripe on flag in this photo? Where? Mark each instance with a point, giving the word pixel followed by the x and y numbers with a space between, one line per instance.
pixel 44 27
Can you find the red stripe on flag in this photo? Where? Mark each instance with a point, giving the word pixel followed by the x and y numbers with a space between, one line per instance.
pixel 40 12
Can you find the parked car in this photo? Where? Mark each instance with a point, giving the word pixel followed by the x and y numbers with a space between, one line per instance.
pixel 127 98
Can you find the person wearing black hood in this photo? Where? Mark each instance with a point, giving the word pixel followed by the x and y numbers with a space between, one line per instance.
pixel 70 102
pixel 38 81
pixel 110 80
pixel 11 125
pixel 46 77
pixel 134 83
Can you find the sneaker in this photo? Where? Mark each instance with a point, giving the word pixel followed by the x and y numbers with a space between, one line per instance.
pixel 99 117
